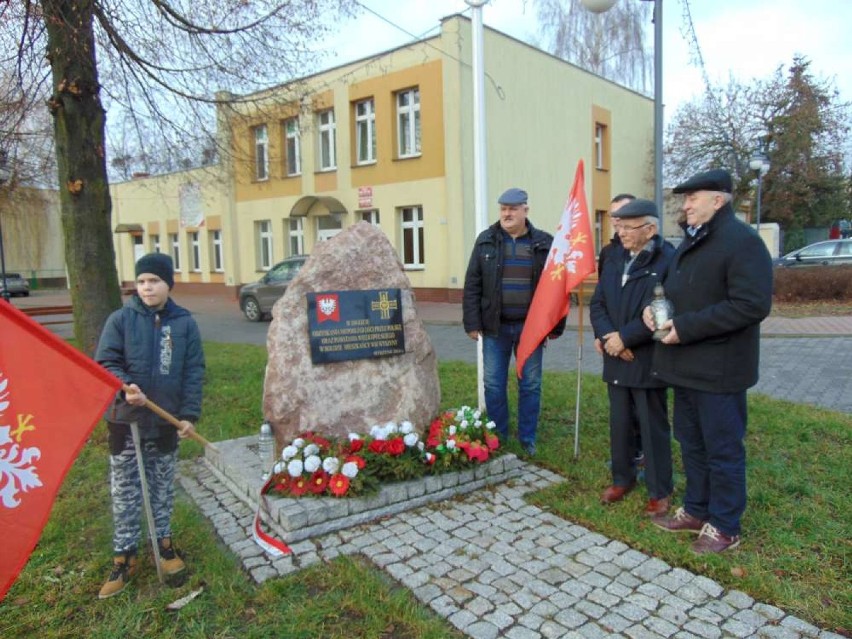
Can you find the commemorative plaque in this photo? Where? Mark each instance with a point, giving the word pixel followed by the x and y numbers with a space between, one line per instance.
pixel 347 325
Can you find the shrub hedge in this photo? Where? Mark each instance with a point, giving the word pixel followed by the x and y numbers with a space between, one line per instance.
pixel 814 283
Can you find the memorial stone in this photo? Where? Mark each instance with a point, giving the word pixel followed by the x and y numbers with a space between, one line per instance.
pixel 337 398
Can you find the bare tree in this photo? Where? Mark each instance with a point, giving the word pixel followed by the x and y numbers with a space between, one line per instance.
pixel 158 64
pixel 803 125
pixel 611 44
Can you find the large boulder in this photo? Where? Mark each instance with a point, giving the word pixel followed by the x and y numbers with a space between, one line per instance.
pixel 342 397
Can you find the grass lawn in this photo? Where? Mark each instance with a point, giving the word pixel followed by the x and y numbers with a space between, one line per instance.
pixel 795 554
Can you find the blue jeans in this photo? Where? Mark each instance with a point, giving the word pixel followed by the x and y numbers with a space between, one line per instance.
pixel 496 354
pixel 710 428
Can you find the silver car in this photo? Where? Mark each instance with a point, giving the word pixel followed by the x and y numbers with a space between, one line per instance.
pixel 258 298
pixel 15 284
pixel 827 253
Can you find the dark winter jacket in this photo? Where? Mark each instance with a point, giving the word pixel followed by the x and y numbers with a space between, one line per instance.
pixel 619 308
pixel 483 282
pixel 161 352
pixel 720 283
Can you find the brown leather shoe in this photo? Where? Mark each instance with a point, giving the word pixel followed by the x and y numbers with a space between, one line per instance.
pixel 711 539
pixel 680 522
pixel 657 507
pixel 616 493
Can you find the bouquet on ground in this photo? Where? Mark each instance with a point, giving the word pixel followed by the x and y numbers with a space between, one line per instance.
pixel 461 434
pixel 360 464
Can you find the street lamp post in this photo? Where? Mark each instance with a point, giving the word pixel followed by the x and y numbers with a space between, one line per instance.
pixel 4 176
pixel 759 163
pixel 599 6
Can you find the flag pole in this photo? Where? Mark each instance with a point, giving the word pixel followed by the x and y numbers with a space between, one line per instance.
pixel 579 370
pixel 146 500
pixel 174 421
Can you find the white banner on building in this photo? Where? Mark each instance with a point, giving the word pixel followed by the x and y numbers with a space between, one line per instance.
pixel 191 208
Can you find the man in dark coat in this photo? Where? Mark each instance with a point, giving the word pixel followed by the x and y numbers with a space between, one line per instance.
pixel 505 266
pixel 720 282
pixel 637 400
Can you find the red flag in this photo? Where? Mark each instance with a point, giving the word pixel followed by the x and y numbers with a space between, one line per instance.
pixel 51 397
pixel 571 259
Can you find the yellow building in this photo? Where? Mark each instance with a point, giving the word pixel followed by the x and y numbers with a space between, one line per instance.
pixel 389 140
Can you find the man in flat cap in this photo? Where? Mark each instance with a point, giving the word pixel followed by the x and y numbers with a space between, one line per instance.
pixel 505 266
pixel 637 400
pixel 720 282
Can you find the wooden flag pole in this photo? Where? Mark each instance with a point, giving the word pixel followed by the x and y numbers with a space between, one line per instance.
pixel 579 370
pixel 174 421
pixel 146 501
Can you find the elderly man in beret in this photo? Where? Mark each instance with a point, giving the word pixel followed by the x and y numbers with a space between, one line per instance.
pixel 720 282
pixel 637 400
pixel 506 263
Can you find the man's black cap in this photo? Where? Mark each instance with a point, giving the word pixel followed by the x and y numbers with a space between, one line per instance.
pixel 713 180
pixel 637 208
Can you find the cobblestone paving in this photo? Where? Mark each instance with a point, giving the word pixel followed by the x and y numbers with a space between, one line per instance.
pixel 529 574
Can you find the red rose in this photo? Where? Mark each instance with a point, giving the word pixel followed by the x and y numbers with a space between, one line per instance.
pixel 355 445
pixel 378 446
pixel 396 447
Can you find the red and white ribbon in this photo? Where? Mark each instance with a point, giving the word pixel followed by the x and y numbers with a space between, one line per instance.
pixel 274 547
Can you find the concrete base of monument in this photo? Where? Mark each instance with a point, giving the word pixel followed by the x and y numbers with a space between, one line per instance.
pixel 237 466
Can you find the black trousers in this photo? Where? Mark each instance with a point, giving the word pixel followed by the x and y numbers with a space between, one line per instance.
pixel 643 409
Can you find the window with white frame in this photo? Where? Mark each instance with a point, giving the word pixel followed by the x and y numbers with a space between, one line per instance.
pixel 293 142
pixel 413 247
pixel 174 241
pixel 296 234
pixel 600 144
pixel 371 216
pixel 155 243
pixel 263 240
pixel 261 152
pixel 217 254
pixel 365 131
pixel 194 251
pixel 327 140
pixel 408 122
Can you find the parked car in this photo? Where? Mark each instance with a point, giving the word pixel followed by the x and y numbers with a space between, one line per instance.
pixel 16 284
pixel 258 298
pixel 826 253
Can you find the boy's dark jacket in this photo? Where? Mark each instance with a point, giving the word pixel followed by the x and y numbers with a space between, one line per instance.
pixel 161 352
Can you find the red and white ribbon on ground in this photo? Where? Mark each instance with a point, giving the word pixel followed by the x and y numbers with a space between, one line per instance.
pixel 270 545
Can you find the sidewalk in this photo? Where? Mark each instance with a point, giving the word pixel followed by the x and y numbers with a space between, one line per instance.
pixel 443 313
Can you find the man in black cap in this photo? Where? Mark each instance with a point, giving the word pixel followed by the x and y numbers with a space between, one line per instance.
pixel 505 266
pixel 637 400
pixel 720 282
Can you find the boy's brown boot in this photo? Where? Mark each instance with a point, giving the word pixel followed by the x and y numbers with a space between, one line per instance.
pixel 123 567
pixel 170 561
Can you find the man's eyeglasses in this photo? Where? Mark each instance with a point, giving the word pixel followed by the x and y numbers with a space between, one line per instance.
pixel 622 227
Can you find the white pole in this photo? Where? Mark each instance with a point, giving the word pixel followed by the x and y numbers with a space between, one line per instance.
pixel 479 169
pixel 658 104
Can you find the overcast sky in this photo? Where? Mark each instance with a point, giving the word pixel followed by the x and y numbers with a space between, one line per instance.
pixel 745 38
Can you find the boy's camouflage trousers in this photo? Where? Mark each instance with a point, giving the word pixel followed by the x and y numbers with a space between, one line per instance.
pixel 126 492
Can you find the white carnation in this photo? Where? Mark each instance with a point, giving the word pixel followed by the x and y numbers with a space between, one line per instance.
pixel 406 427
pixel 295 467
pixel 451 444
pixel 330 465
pixel 452 430
pixel 298 442
pixel 289 453
pixel 311 449
pixel 410 439
pixel 312 463
pixel 349 469
pixel 490 425
pixel 354 436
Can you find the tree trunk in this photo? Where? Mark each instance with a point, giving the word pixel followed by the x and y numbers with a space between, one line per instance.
pixel 79 120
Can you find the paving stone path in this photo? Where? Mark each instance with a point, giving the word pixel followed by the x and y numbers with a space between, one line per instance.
pixel 495 566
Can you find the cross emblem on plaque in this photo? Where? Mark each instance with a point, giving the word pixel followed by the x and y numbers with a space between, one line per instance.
pixel 384 305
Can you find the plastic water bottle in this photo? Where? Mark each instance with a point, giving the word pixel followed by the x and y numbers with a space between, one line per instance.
pixel 265 449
